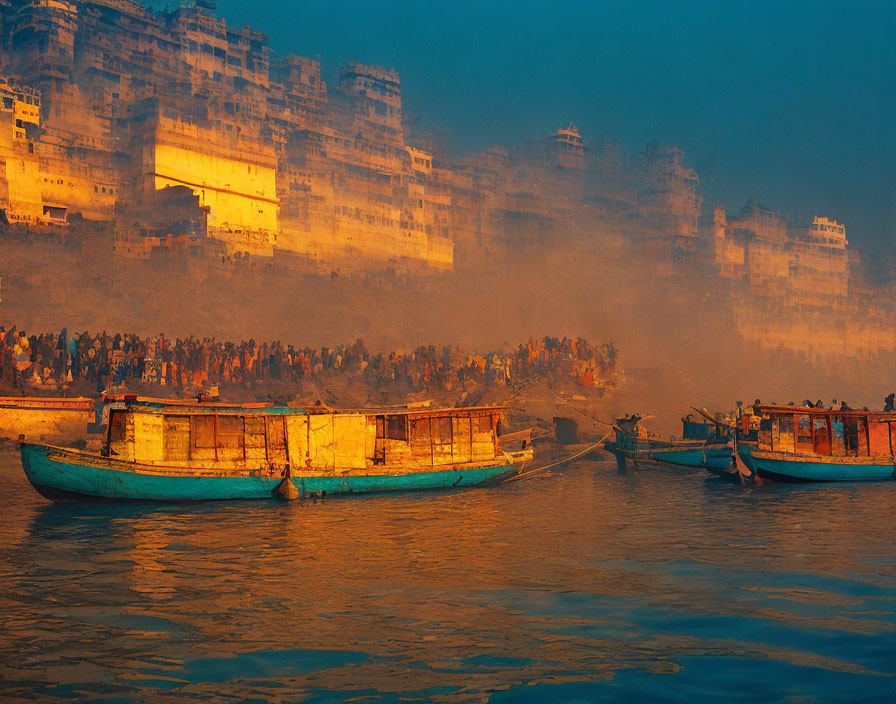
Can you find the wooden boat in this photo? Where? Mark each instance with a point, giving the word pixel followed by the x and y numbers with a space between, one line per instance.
pixel 798 444
pixel 207 452
pixel 632 443
pixel 520 444
pixel 157 402
pixel 62 420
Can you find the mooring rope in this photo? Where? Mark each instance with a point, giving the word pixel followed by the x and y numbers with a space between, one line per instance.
pixel 530 472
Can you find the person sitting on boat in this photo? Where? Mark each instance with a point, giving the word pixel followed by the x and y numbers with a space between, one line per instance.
pixel 844 406
pixel 890 403
pixel 819 404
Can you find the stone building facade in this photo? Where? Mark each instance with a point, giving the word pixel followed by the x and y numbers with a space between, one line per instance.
pixel 182 131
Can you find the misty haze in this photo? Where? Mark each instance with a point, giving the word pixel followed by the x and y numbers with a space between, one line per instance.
pixel 627 266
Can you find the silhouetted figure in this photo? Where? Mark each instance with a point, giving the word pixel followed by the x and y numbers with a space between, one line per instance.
pixel 844 406
pixel 890 403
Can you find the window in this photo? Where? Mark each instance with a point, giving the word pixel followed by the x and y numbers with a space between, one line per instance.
pixel 177 437
pixel 485 424
pixel 862 430
pixel 396 427
pixel 856 436
pixel 441 436
pixel 230 432
pixel 838 445
pixel 419 428
pixel 117 427
pixel 54 212
pixel 420 438
pixel 276 434
pixel 203 432
pixel 254 438
pixel 803 434
pixel 768 433
pixel 785 434
pixel 822 440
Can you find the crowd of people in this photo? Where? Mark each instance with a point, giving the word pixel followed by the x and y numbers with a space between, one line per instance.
pixel 107 362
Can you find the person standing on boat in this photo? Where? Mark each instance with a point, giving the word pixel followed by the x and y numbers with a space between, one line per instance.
pixel 890 403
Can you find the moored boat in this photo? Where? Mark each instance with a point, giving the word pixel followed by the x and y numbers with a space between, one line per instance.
pixel 161 452
pixel 633 443
pixel 799 443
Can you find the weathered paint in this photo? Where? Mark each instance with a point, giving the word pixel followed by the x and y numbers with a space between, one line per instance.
pixel 62 474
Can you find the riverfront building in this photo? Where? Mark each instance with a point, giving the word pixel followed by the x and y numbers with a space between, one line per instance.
pixel 182 133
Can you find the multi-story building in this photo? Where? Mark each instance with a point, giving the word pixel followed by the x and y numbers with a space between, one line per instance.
pixel 112 108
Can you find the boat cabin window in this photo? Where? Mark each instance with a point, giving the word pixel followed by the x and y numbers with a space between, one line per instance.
pixel 838 445
pixel 394 427
pixel 803 434
pixel 276 433
pixel 441 436
pixel 397 427
pixel 420 437
pixel 254 438
pixel 785 434
pixel 821 436
pixel 203 432
pixel 862 426
pixel 225 437
pixel 878 438
pixel 768 429
pixel 230 437
pixel 117 427
pixel 856 435
pixel 177 437
pixel 485 424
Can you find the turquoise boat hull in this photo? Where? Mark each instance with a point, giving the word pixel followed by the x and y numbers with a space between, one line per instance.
pixel 59 480
pixel 719 459
pixel 795 468
pixel 714 457
pixel 691 457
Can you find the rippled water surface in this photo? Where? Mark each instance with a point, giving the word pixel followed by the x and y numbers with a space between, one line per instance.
pixel 584 585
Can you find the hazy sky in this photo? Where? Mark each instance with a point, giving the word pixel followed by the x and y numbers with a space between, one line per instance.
pixel 791 102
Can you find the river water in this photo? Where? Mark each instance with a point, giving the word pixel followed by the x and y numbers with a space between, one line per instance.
pixel 582 585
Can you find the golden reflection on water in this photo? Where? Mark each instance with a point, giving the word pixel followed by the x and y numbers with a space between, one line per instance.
pixel 572 577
